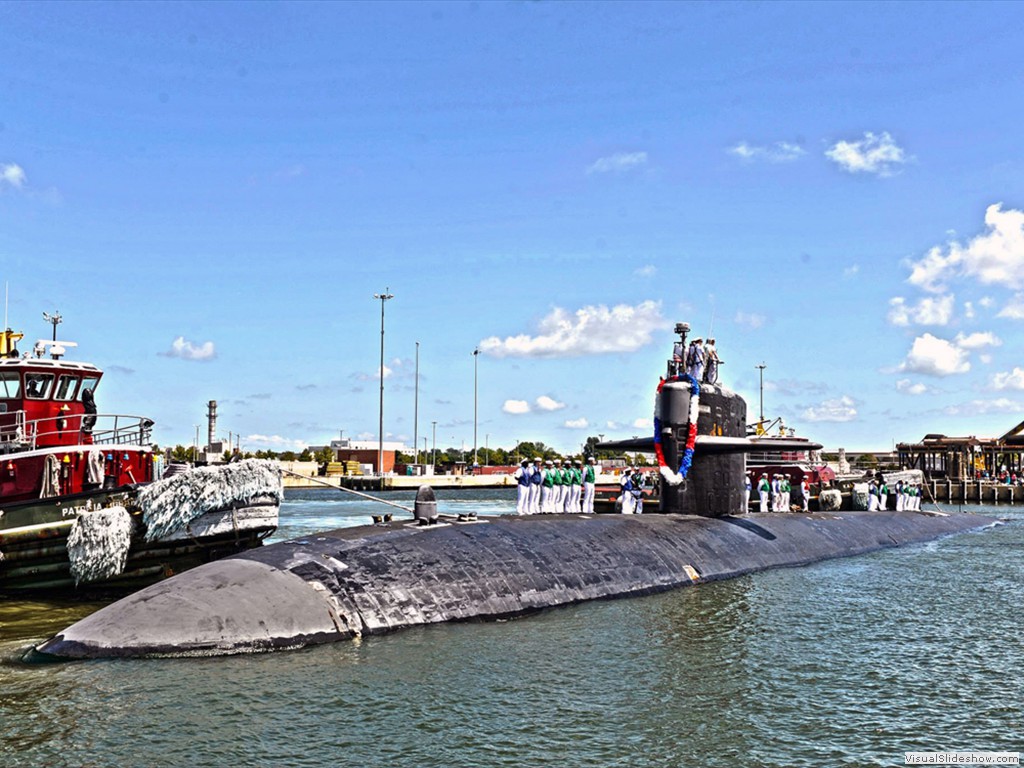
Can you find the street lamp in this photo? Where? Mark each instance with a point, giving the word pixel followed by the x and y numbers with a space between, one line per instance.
pixel 380 433
pixel 760 369
pixel 433 455
pixel 476 354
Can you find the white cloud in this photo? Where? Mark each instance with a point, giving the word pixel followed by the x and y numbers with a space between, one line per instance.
pixel 618 163
pixel 591 330
pixel 987 301
pixel 837 409
pixel 274 441
pixel 12 174
pixel 851 271
pixel 910 388
pixel 983 407
pixel 977 340
pixel 749 320
pixel 779 152
pixel 648 270
pixel 969 310
pixel 928 311
pixel 580 423
pixel 1011 380
pixel 614 425
pixel 935 357
pixel 516 407
pixel 993 258
pixel 546 403
pixel 873 154
pixel 1014 310
pixel 186 350
pixel 644 423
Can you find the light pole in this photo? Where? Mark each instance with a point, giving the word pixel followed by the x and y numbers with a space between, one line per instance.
pixel 760 369
pixel 476 354
pixel 487 449
pixel 380 433
pixel 416 408
pixel 433 455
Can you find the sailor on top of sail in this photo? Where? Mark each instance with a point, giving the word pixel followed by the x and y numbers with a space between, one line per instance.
pixel 695 359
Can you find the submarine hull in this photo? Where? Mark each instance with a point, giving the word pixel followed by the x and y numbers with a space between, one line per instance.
pixel 375 579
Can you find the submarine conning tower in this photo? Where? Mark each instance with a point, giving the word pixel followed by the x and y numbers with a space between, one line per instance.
pixel 714 484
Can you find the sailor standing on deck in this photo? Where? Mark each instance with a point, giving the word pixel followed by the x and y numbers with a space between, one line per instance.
pixel 626 488
pixel 883 495
pixel 899 495
pixel 872 496
pixel 638 493
pixel 589 480
pixel 711 360
pixel 577 487
pixel 695 359
pixel 536 479
pixel 547 504
pixel 763 489
pixel 522 476
pixel 746 494
pixel 558 492
pixel 805 490
pixel 776 494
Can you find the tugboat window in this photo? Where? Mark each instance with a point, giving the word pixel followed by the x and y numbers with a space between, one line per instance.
pixel 66 386
pixel 10 385
pixel 37 385
pixel 88 384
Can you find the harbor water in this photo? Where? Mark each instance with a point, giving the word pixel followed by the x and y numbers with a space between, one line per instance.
pixel 845 663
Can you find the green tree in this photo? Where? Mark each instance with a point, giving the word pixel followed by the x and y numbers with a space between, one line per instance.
pixel 305 455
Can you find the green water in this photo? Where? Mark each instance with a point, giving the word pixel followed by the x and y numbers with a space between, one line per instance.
pixel 846 663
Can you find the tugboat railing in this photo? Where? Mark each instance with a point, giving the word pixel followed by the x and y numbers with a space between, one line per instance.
pixel 105 429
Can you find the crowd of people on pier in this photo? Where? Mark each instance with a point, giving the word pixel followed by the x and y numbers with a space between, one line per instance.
pixel 554 486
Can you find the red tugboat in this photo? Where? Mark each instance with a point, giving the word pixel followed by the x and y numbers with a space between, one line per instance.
pixel 81 510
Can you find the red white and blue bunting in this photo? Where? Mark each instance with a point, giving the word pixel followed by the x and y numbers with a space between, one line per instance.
pixel 671 476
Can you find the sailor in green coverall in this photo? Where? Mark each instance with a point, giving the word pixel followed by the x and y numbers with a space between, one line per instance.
pixel 575 478
pixel 547 504
pixel 559 488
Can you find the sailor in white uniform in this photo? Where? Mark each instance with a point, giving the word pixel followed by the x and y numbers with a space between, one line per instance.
pixel 746 494
pixel 695 359
pixel 763 489
pixel 626 488
pixel 536 479
pixel 547 503
pixel 522 476
pixel 589 480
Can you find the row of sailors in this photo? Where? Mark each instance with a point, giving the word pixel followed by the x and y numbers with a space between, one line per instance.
pixel 549 487
pixel 908 496
pixel 780 489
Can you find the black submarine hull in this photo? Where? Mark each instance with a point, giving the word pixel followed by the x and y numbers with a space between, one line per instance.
pixel 370 580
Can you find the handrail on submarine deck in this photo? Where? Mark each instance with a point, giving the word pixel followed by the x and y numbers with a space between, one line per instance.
pixel 348 490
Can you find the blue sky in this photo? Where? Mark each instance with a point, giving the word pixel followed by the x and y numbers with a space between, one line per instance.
pixel 211 194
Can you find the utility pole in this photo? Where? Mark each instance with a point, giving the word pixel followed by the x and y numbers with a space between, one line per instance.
pixel 433 456
pixel 416 409
pixel 476 355
pixel 380 433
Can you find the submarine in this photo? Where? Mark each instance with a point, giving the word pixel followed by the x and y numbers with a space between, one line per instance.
pixel 399 573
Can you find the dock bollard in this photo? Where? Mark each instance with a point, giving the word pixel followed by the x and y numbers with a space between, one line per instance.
pixel 425 508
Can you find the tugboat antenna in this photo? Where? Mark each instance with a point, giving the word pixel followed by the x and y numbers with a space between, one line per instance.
pixel 55 318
